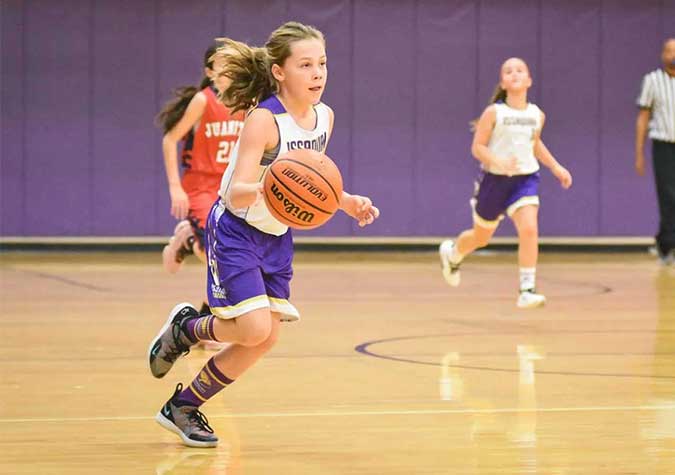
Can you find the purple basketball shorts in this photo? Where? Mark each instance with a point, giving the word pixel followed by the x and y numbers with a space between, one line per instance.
pixel 497 195
pixel 247 269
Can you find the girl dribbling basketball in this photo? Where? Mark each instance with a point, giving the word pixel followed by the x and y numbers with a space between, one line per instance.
pixel 507 142
pixel 249 252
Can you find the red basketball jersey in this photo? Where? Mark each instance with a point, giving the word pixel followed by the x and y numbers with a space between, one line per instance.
pixel 208 149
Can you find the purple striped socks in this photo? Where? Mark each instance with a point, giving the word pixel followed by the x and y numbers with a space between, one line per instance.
pixel 207 384
pixel 200 328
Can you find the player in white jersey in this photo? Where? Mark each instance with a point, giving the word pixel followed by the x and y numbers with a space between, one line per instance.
pixel 249 252
pixel 508 144
pixel 291 136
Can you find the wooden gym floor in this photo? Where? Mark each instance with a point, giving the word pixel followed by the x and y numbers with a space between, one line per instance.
pixel 389 372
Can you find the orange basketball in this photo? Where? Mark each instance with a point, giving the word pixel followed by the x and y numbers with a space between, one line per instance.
pixel 303 188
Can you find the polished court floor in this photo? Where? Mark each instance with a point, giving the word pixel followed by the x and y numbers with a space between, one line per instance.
pixel 389 371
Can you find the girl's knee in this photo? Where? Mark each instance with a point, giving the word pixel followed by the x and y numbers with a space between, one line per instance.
pixel 264 339
pixel 255 333
pixel 254 336
pixel 528 230
pixel 525 219
pixel 269 343
pixel 260 329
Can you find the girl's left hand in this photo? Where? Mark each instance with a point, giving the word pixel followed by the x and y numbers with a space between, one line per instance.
pixel 360 208
pixel 563 176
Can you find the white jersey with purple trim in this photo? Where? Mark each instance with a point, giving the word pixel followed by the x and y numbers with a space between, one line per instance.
pixel 291 136
pixel 513 135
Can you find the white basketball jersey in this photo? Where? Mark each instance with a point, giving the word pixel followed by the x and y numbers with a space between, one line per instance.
pixel 513 135
pixel 291 136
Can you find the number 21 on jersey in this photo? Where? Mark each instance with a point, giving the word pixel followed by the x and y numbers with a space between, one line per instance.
pixel 224 150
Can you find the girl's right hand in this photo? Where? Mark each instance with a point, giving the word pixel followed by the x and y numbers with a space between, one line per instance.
pixel 508 165
pixel 180 204
pixel 246 194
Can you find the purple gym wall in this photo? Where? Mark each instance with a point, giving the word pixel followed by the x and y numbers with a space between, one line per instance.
pixel 82 80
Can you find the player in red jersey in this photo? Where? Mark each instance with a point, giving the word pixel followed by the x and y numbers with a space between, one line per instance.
pixel 209 132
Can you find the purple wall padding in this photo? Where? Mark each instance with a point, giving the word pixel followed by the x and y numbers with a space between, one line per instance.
pixel 253 21
pixel 12 166
pixel 568 94
pixel 56 120
pixel 446 62
pixel 384 111
pixel 126 164
pixel 81 86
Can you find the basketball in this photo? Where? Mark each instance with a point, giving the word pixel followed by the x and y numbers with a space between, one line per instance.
pixel 302 189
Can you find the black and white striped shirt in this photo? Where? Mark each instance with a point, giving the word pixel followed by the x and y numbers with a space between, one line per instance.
pixel 658 94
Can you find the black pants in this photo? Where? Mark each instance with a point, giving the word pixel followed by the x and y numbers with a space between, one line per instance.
pixel 663 154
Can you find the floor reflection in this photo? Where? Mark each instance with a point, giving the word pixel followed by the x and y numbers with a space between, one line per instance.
pixel 658 426
pixel 189 461
pixel 493 427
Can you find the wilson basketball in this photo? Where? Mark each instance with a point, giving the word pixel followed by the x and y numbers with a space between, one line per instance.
pixel 302 188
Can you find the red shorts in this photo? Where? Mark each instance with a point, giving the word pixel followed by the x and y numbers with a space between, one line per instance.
pixel 202 190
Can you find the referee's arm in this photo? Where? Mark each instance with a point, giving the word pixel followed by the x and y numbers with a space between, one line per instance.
pixel 641 125
pixel 645 101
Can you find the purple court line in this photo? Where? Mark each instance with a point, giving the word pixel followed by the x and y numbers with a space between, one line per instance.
pixel 364 349
pixel 63 280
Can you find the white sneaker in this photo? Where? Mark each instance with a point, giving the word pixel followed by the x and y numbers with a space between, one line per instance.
pixel 450 270
pixel 530 299
pixel 174 253
pixel 668 259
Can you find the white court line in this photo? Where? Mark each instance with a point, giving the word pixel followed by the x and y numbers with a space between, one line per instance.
pixel 413 412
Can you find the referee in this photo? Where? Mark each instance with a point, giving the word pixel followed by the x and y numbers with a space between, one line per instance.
pixel 657 113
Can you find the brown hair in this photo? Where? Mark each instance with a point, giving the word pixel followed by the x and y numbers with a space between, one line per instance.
pixel 250 68
pixel 173 110
pixel 498 95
